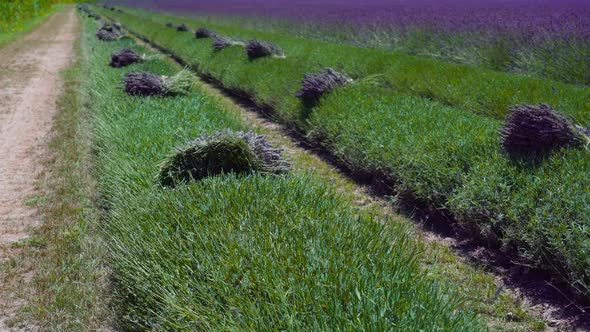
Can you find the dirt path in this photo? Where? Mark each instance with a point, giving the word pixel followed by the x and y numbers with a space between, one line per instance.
pixel 29 86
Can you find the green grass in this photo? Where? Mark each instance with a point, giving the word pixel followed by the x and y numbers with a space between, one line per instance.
pixel 434 149
pixel 22 15
pixel 243 252
pixel 25 26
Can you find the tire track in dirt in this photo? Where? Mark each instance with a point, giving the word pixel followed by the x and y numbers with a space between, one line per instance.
pixel 30 84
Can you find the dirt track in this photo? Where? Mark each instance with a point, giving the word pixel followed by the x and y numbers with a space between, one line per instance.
pixel 29 87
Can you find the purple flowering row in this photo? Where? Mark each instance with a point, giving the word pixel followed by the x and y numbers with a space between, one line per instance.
pixel 531 19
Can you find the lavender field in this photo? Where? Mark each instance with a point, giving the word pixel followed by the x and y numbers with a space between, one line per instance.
pixel 295 165
pixel 547 38
pixel 531 19
pixel 468 122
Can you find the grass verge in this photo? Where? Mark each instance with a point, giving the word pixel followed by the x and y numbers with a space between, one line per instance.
pixel 70 280
pixel 435 155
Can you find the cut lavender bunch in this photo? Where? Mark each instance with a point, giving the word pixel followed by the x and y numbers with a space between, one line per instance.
pixel 144 84
pixel 314 86
pixel 124 57
pixel 219 153
pixel 204 33
pixel 222 42
pixel 109 32
pixel 149 84
pixel 258 49
pixel 537 130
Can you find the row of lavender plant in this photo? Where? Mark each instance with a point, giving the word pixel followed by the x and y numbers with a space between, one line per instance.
pixel 547 38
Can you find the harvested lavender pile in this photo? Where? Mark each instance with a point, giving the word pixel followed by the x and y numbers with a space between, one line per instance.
pixel 534 131
pixel 222 152
pixel 105 35
pixel 109 32
pixel 204 33
pixel 222 42
pixel 259 49
pixel 182 28
pixel 124 57
pixel 316 85
pixel 149 84
pixel 144 84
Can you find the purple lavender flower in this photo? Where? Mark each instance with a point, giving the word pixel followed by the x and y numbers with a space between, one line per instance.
pixel 533 20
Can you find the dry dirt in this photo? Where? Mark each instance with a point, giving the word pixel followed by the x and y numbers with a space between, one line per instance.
pixel 29 87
